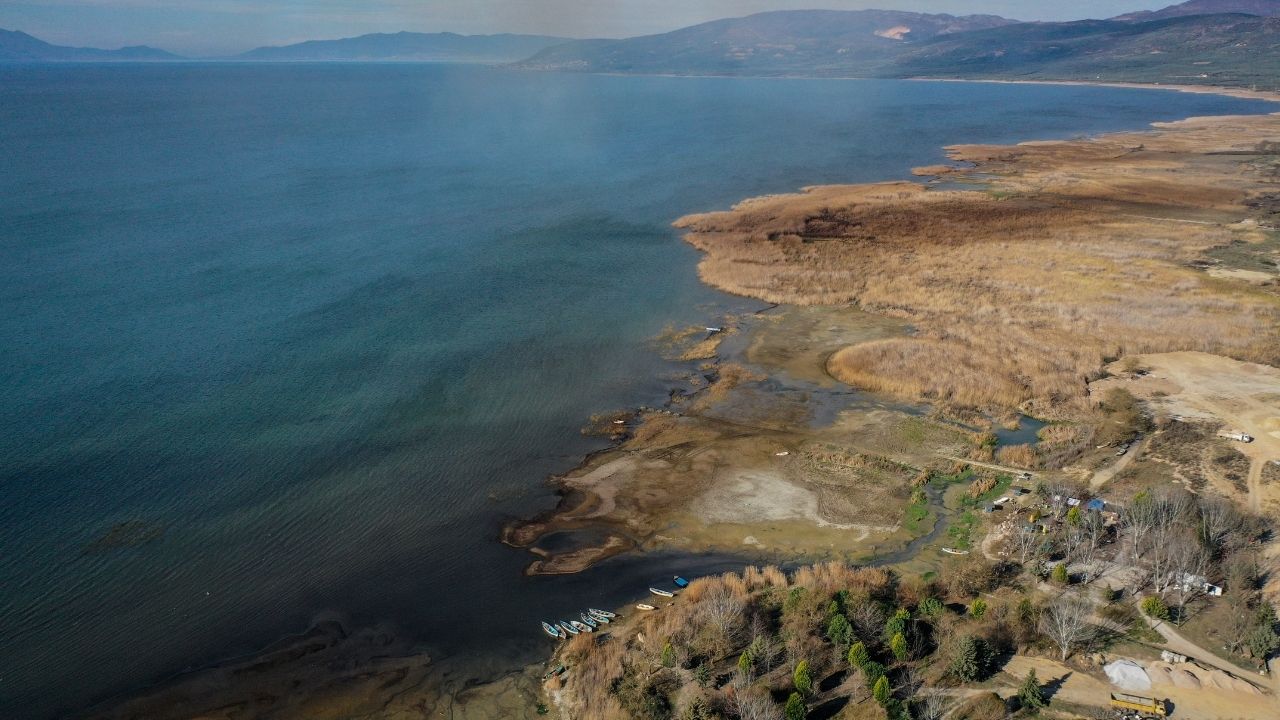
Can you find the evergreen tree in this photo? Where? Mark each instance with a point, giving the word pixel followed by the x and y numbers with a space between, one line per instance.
pixel 881 691
pixel 872 671
pixel 858 655
pixel 1031 695
pixel 839 631
pixel 978 608
pixel 702 674
pixel 898 644
pixel 1154 606
pixel 930 608
pixel 668 656
pixel 745 663
pixel 1073 515
pixel 971 659
pixel 897 623
pixel 1059 574
pixel 802 679
pixel 795 709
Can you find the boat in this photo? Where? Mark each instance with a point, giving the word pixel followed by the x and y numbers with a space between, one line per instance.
pixel 598 617
pixel 680 582
pixel 953 551
pixel 662 593
pixel 580 626
pixel 601 613
pixel 552 630
pixel 568 628
pixel 642 606
pixel 590 621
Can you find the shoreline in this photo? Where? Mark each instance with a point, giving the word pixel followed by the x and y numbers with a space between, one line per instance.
pixel 752 386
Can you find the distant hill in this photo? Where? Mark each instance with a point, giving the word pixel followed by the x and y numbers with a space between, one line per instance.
pixel 409 46
pixel 18 46
pixel 1263 8
pixel 807 42
pixel 1210 49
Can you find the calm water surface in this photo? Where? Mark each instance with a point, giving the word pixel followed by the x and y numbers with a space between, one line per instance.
pixel 324 327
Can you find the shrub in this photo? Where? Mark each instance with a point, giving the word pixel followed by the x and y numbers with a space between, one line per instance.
pixel 880 691
pixel 668 656
pixel 978 608
pixel 898 644
pixel 802 679
pixel 745 663
pixel 1031 695
pixel 1155 607
pixel 795 709
pixel 858 656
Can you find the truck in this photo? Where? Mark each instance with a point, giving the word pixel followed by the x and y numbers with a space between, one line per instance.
pixel 1238 436
pixel 1137 706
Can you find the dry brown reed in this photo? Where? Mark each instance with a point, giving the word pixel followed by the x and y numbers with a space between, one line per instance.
pixel 1014 299
pixel 1023 456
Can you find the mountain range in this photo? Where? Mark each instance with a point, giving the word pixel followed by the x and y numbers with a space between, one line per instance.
pixel 402 46
pixel 18 46
pixel 1226 42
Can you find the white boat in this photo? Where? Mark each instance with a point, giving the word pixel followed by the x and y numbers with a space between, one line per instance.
pixel 597 617
pixel 590 621
pixel 568 628
pixel 953 551
pixel 580 626
pixel 642 606
pixel 552 630
pixel 601 613
pixel 661 593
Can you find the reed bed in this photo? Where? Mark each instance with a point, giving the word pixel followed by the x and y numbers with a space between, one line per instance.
pixel 1015 297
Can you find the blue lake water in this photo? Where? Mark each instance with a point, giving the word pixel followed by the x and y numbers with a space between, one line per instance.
pixel 326 326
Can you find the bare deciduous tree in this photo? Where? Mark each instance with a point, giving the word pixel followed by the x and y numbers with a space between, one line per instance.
pixel 1025 543
pixel 1189 566
pixel 755 705
pixel 1066 623
pixel 934 706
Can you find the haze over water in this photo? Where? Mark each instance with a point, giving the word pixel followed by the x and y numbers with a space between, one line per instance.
pixel 325 326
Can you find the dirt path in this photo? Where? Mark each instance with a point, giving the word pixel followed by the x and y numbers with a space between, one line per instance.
pixel 990 466
pixel 1174 641
pixel 1101 477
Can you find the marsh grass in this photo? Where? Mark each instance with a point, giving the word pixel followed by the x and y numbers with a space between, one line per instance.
pixel 1013 300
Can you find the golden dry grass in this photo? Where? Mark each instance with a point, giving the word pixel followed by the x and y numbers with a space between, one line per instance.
pixel 1081 254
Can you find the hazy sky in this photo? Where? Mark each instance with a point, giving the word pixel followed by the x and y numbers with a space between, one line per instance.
pixel 224 26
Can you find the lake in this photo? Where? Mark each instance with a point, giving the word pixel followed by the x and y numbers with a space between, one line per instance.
pixel 293 341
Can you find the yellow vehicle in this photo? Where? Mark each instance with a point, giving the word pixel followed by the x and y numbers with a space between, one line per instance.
pixel 1143 706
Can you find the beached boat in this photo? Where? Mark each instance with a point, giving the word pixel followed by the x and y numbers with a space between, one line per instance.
pixel 552 630
pixel 580 627
pixel 642 606
pixel 680 582
pixel 598 617
pixel 662 593
pixel 568 628
pixel 953 551
pixel 601 613
pixel 590 621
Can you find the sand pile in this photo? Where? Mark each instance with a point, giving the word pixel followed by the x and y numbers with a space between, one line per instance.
pixel 1192 676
